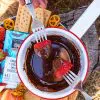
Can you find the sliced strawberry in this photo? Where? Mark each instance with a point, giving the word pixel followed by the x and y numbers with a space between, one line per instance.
pixel 1 45
pixel 42 44
pixel 2 29
pixel 43 49
pixel 63 69
pixel 2 33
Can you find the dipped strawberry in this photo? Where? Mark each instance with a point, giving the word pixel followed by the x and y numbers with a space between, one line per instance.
pixel 62 67
pixel 2 33
pixel 43 49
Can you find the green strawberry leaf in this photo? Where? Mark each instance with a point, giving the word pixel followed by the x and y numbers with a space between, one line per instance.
pixel 2 54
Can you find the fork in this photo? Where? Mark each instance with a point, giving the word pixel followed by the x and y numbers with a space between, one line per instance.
pixel 36 24
pixel 39 37
pixel 75 81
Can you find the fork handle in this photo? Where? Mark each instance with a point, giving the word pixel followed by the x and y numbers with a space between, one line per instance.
pixel 86 96
pixel 27 2
pixel 87 19
pixel 31 8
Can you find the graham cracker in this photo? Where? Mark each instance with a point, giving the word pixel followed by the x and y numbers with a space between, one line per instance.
pixel 43 15
pixel 47 15
pixel 23 19
pixel 17 22
pixel 39 14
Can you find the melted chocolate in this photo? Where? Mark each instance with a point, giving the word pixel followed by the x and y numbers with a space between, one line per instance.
pixel 40 71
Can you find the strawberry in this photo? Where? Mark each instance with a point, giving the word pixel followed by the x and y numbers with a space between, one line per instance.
pixel 2 55
pixel 43 49
pixel 2 33
pixel 42 44
pixel 63 69
pixel 1 45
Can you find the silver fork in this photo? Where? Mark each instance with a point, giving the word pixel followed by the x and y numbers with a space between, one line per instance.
pixel 39 37
pixel 36 24
pixel 75 82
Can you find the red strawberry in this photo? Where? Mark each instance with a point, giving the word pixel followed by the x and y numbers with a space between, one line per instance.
pixel 2 33
pixel 1 45
pixel 63 69
pixel 42 44
pixel 43 49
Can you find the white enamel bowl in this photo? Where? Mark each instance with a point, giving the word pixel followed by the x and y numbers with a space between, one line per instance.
pixel 21 59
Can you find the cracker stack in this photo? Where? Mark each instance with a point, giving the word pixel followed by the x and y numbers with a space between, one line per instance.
pixel 43 15
pixel 39 14
pixel 23 19
pixel 47 15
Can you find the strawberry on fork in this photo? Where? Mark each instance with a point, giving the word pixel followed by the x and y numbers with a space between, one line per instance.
pixel 63 68
pixel 43 49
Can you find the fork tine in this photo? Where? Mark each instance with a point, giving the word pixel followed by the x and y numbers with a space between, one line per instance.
pixel 45 36
pixel 42 37
pixel 73 74
pixel 69 78
pixel 68 81
pixel 39 37
pixel 36 38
